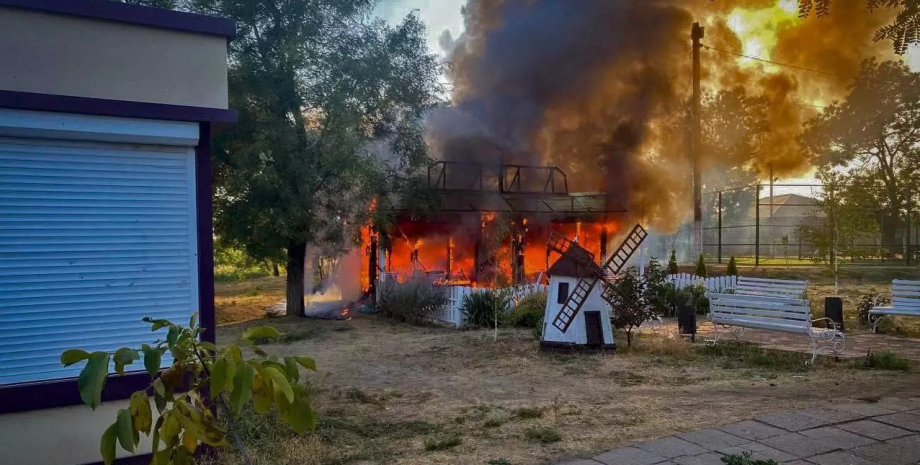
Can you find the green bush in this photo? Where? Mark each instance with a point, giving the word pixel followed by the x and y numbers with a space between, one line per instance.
pixel 698 299
pixel 444 443
pixel 672 264
pixel 732 268
pixel 543 435
pixel 886 361
pixel 866 303
pixel 484 308
pixel 701 268
pixel 529 311
pixel 232 264
pixel 413 301
pixel 745 459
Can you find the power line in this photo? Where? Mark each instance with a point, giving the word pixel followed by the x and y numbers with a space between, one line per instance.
pixel 787 65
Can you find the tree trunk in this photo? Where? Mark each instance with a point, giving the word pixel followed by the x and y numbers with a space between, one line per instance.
pixel 275 270
pixel 889 235
pixel 295 277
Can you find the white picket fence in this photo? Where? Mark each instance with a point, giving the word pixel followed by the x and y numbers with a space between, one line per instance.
pixel 451 313
pixel 714 284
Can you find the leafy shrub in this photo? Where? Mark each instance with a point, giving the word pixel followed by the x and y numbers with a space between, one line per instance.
pixel 528 413
pixel 701 268
pixel 698 299
pixel 543 435
pixel 866 302
pixel 529 311
pixel 629 299
pixel 672 264
pixel 732 268
pixel 413 301
pixel 485 308
pixel 445 443
pixel 745 459
pixel 886 361
pixel 659 292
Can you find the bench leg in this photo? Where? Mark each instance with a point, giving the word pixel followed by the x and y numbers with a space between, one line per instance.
pixel 874 320
pixel 830 340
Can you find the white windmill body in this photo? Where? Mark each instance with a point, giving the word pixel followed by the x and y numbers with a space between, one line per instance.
pixel 578 312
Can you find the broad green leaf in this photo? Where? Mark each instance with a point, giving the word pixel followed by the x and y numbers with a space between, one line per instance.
pixel 190 441
pixel 300 415
pixel 92 379
pixel 235 353
pixel 69 357
pixel 293 369
pixel 156 324
pixel 187 423
pixel 173 335
pixel 281 383
pixel 242 387
pixel 192 322
pixel 140 412
pixel 123 357
pixel 261 332
pixel 170 430
pixel 125 430
pixel 306 362
pixel 218 377
pixel 159 395
pixel 152 360
pixel 107 445
pixel 208 346
pixel 156 436
pixel 262 402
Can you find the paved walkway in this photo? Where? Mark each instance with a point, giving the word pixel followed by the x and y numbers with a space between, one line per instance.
pixel 882 433
pixel 858 341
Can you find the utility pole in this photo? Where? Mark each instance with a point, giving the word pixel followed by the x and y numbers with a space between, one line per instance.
pixel 696 140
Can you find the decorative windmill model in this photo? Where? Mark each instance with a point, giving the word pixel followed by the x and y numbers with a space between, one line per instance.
pixel 581 317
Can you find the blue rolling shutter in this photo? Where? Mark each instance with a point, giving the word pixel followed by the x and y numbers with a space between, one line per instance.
pixel 94 236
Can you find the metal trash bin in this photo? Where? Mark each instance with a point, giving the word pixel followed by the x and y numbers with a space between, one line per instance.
pixel 686 321
pixel 833 309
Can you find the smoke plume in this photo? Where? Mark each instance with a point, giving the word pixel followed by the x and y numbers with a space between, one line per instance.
pixel 600 88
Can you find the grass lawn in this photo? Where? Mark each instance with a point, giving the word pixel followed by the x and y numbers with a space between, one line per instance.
pixel 395 394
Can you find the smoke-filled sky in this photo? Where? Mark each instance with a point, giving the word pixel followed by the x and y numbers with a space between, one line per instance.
pixel 598 86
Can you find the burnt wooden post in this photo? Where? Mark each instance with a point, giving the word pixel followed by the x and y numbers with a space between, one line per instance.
pixel 603 244
pixel 372 266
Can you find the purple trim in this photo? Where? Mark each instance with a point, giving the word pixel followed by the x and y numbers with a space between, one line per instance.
pixel 205 234
pixel 64 393
pixel 131 14
pixel 106 107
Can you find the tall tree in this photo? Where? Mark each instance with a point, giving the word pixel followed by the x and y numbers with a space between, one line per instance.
pixel 330 102
pixel 877 129
pixel 904 31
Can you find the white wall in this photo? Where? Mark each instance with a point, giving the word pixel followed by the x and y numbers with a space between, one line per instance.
pixel 576 333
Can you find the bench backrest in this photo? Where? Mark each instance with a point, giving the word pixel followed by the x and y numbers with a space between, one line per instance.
pixel 905 294
pixel 760 311
pixel 771 287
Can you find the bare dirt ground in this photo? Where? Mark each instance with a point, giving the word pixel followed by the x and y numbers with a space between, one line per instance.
pixel 389 393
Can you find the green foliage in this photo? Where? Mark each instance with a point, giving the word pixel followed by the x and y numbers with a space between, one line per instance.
pixel 542 435
pixel 732 268
pixel 745 459
pixel 529 311
pixel 233 264
pixel 528 413
pixel 701 268
pixel 866 302
pixel 672 264
pixel 886 361
pixel 444 443
pixel 413 301
pixel 629 300
pixel 485 307
pixel 200 376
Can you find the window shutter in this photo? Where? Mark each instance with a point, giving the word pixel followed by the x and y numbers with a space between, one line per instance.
pixel 93 237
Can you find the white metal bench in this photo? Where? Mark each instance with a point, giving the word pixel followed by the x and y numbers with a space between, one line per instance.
pixel 905 301
pixel 771 287
pixel 772 313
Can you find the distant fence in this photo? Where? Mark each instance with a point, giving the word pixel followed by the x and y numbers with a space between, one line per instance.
pixel 714 284
pixel 453 314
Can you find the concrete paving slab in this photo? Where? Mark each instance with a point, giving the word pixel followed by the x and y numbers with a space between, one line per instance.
pixel 841 458
pixel 713 439
pixel 830 415
pixel 901 420
pixel 580 462
pixel 671 447
pixel 706 459
pixel 791 421
pixel 759 452
pixel 898 405
pixel 753 430
pixel 875 430
pixel 901 451
pixel 837 437
pixel 798 445
pixel 867 410
pixel 629 456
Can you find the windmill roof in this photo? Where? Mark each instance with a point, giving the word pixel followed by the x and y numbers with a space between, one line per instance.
pixel 573 263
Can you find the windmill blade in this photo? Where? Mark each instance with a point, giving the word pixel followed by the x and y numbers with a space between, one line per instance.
pixel 630 245
pixel 574 303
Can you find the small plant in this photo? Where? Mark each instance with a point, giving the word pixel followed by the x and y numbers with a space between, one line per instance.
pixel 444 443
pixel 630 303
pixel 697 296
pixel 485 308
pixel 732 268
pixel 701 268
pixel 493 423
pixel 413 302
pixel 866 302
pixel 543 435
pixel 886 361
pixel 528 413
pixel 528 313
pixel 672 264
pixel 202 377
pixel 745 459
